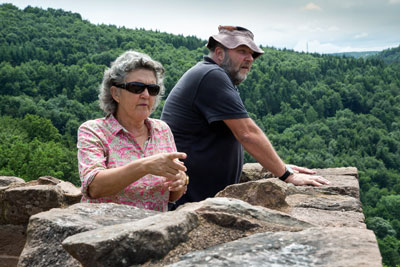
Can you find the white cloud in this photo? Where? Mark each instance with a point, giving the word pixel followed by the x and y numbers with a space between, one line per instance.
pixel 333 29
pixel 312 6
pixel 361 35
pixel 310 28
pixel 325 24
pixel 314 46
pixel 317 27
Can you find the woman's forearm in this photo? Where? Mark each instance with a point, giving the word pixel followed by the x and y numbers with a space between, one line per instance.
pixel 109 182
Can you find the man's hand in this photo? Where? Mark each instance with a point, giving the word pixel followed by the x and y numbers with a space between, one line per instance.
pixel 301 169
pixel 302 177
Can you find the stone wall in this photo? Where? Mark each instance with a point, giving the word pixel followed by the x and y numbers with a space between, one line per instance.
pixel 259 222
pixel 19 200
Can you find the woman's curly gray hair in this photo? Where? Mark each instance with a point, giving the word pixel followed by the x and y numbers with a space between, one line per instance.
pixel 125 63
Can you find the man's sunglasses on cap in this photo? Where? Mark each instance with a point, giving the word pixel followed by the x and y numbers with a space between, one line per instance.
pixel 138 87
pixel 232 28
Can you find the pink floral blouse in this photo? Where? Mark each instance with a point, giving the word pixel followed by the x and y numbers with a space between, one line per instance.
pixel 104 143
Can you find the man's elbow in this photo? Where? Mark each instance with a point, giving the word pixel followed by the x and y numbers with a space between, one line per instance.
pixel 245 137
pixel 245 130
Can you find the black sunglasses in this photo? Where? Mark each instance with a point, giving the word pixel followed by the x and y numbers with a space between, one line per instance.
pixel 138 87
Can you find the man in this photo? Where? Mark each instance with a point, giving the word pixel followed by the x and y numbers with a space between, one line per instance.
pixel 211 125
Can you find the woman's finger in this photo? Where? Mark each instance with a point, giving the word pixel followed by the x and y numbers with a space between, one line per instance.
pixel 176 155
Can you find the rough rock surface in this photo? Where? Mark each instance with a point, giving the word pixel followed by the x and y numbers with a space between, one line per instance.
pixel 269 193
pixel 260 222
pixel 333 247
pixel 19 201
pixel 12 240
pixel 48 229
pixel 329 218
pixel 336 204
pixel 133 242
pixel 253 172
pixel 339 177
pixel 7 180
pixel 192 226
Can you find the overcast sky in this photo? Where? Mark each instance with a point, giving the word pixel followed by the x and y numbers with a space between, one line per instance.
pixel 324 26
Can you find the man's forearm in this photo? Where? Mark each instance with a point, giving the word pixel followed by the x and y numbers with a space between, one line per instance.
pixel 259 146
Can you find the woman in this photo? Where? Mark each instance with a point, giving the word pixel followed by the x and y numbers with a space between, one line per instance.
pixel 127 157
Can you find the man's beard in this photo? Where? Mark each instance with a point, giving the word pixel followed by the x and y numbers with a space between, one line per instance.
pixel 233 73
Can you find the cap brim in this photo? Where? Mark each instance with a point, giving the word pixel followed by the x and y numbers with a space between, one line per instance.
pixel 231 42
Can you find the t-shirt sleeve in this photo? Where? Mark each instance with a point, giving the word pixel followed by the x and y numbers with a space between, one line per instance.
pixel 217 99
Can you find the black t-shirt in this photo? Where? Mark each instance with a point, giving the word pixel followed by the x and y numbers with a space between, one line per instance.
pixel 195 110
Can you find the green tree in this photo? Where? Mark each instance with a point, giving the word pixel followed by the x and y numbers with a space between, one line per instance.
pixel 389 248
pixel 380 226
pixel 389 207
pixel 40 128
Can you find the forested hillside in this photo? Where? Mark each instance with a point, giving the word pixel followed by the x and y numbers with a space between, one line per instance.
pixel 319 111
pixel 390 55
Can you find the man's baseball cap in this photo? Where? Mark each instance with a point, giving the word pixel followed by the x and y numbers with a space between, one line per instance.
pixel 234 36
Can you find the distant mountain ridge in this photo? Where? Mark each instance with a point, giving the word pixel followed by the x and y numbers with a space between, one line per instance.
pixel 362 54
pixel 391 55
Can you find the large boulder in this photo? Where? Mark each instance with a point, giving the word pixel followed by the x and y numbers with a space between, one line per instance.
pixel 20 200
